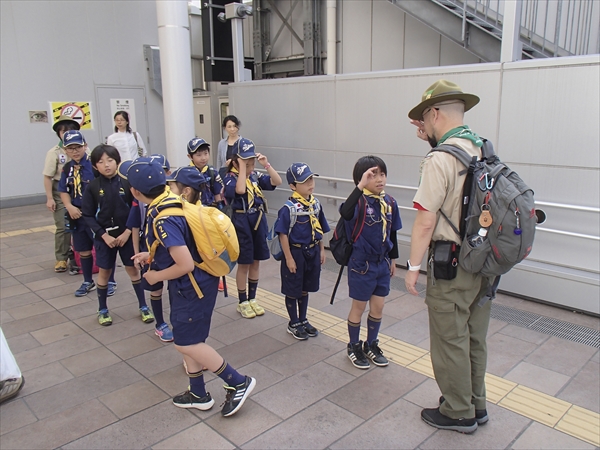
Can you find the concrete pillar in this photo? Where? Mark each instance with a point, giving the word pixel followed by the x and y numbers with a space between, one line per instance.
pixel 176 74
pixel 511 45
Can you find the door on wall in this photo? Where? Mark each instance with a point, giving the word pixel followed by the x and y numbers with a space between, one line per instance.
pixel 111 99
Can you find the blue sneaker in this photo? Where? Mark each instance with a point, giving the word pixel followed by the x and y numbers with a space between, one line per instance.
pixel 85 288
pixel 112 288
pixel 164 333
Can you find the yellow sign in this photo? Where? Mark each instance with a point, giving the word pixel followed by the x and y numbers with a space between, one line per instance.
pixel 80 112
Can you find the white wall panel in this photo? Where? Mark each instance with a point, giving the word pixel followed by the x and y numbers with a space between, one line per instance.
pixel 388 37
pixel 422 45
pixel 452 53
pixel 356 37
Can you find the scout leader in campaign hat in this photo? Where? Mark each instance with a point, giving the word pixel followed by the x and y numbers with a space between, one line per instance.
pixel 63 120
pixel 442 91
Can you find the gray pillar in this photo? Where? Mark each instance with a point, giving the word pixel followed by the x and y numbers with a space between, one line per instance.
pixel 176 73
pixel 511 29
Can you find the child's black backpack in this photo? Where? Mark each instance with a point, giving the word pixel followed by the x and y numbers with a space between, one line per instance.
pixel 340 244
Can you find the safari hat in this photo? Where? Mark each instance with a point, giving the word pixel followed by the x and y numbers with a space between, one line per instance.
pixel 61 120
pixel 442 91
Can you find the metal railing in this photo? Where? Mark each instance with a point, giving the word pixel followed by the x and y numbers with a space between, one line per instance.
pixel 548 27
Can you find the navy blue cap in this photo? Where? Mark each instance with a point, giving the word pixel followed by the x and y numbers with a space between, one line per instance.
pixel 162 159
pixel 73 137
pixel 244 148
pixel 195 144
pixel 298 173
pixel 189 176
pixel 143 173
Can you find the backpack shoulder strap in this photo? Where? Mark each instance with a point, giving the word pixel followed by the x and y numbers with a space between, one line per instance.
pixel 360 220
pixel 457 152
pixel 293 213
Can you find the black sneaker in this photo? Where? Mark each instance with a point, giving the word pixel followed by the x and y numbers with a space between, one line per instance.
pixel 189 400
pixel 481 415
pixel 433 417
pixel 236 396
pixel 375 354
pixel 298 331
pixel 357 356
pixel 310 330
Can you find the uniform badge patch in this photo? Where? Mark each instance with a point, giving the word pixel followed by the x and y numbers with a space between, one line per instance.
pixel 62 159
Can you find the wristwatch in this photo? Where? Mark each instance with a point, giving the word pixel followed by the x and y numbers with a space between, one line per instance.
pixel 412 268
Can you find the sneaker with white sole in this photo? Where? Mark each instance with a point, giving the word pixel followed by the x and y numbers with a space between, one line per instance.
pixel 375 354
pixel 310 330
pixel 236 396
pixel 258 310
pixel 246 310
pixel 188 400
pixel 297 330
pixel 147 316
pixel 112 288
pixel 164 333
pixel 85 288
pixel 104 318
pixel 357 356
pixel 10 388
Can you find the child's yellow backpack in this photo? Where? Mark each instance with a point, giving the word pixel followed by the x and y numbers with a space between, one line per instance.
pixel 213 233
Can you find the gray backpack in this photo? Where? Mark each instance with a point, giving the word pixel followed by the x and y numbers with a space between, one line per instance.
pixel 490 185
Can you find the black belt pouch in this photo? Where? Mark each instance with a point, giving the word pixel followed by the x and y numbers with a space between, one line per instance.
pixel 445 260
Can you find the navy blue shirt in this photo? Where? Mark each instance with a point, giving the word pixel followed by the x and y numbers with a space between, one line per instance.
pixel 370 240
pixel 213 187
pixel 73 184
pixel 301 232
pixel 240 201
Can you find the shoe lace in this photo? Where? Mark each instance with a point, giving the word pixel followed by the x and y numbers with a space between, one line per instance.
pixel 229 396
pixel 375 349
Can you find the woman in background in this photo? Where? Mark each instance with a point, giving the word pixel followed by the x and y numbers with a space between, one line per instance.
pixel 129 143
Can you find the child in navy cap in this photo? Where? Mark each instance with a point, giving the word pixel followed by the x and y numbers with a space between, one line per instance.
pixel 105 208
pixel 136 222
pixel 301 225
pixel 373 253
pixel 243 191
pixel 199 153
pixel 74 179
pixel 188 183
pixel 190 315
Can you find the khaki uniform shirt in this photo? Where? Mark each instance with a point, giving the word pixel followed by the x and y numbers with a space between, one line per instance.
pixel 56 158
pixel 441 186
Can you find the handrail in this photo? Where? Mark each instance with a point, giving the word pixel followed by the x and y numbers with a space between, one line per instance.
pixel 410 208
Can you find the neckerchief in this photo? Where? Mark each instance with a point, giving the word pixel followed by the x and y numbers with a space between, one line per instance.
pixel 76 181
pixel 462 132
pixel 251 188
pixel 383 208
pixel 315 225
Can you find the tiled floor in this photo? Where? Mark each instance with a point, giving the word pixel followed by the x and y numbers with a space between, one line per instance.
pixel 94 387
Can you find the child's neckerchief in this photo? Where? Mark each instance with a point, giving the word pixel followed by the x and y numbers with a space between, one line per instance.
pixel 252 189
pixel 311 204
pixel 383 208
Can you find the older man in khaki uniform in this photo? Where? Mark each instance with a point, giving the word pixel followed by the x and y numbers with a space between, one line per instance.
pixel 457 323
pixel 53 164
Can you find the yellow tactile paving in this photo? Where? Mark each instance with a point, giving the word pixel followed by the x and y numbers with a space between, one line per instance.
pixel 563 416
pixel 582 424
pixel 535 405
pixel 50 229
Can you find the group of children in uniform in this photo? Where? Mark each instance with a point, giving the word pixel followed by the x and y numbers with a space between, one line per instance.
pixel 126 197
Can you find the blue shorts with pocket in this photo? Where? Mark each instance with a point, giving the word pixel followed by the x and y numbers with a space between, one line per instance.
pixel 106 256
pixel 253 243
pixel 150 287
pixel 83 238
pixel 368 275
pixel 190 315
pixel 308 271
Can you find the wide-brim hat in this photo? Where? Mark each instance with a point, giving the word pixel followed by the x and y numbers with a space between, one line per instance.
pixel 61 121
pixel 442 91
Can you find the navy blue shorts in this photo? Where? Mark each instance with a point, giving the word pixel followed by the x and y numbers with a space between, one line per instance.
pixel 253 243
pixel 190 315
pixel 106 256
pixel 83 238
pixel 150 287
pixel 308 272
pixel 368 277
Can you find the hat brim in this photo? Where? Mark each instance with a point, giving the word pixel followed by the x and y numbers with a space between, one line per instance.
pixel 247 157
pixel 469 100
pixel 124 167
pixel 311 175
pixel 61 122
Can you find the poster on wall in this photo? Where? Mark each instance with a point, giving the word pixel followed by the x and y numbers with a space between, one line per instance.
pixel 124 104
pixel 80 112
pixel 38 116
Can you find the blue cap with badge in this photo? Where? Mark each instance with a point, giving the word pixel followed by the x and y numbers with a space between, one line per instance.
pixel 162 159
pixel 144 174
pixel 73 137
pixel 195 144
pixel 298 173
pixel 189 176
pixel 244 148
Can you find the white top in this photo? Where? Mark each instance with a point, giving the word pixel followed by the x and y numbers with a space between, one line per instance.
pixel 126 144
